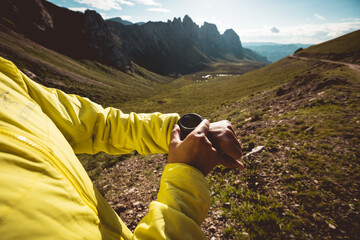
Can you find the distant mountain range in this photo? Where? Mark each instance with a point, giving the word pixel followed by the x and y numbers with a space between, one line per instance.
pixel 123 21
pixel 274 51
pixel 167 48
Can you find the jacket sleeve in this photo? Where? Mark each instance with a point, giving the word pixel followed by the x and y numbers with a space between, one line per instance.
pixel 90 128
pixel 182 205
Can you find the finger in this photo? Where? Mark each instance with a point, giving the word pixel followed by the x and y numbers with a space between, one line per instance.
pixel 231 128
pixel 236 141
pixel 203 127
pixel 229 162
pixel 230 146
pixel 236 152
pixel 175 134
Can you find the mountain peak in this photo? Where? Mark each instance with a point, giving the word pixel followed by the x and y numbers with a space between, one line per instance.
pixel 231 36
pixel 120 20
pixel 209 27
pixel 187 19
pixel 177 20
pixel 93 14
pixel 230 32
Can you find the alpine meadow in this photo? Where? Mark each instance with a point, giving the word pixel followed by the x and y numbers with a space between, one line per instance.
pixel 297 119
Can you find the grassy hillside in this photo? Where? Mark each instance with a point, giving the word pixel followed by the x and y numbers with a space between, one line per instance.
pixel 303 184
pixel 345 49
pixel 194 93
pixel 98 82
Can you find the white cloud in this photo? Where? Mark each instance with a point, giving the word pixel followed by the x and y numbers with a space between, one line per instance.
pixel 116 4
pixel 125 2
pixel 148 2
pixel 274 30
pixel 351 19
pixel 159 9
pixel 126 17
pixel 318 16
pixel 106 16
pixel 102 4
pixel 307 33
pixel 78 9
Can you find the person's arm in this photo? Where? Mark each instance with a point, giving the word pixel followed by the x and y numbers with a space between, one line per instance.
pixel 183 199
pixel 90 128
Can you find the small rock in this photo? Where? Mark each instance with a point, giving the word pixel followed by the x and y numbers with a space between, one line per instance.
pixel 237 182
pixel 29 74
pixel 120 207
pixel 212 228
pixel 280 92
pixel 227 205
pixel 219 214
pixel 255 150
pixel 137 204
pixel 309 130
pixel 332 226
pixel 131 190
pixel 219 217
pixel 247 120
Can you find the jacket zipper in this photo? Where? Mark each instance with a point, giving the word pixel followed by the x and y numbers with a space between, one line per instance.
pixel 46 153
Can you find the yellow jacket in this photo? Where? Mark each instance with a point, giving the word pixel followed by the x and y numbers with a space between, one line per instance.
pixel 45 193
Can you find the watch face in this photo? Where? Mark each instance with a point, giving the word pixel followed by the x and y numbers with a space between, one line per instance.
pixel 188 123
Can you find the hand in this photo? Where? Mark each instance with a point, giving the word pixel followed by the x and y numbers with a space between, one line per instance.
pixel 222 136
pixel 196 149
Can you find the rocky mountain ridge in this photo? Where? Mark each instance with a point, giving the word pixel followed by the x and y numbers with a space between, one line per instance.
pixel 166 48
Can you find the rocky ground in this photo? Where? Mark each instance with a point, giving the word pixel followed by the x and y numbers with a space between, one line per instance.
pixel 301 151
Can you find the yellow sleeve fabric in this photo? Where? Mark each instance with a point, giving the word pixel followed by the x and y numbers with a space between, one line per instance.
pixel 89 128
pixel 46 193
pixel 182 205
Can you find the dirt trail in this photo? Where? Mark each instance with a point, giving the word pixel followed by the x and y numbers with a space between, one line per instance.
pixel 355 67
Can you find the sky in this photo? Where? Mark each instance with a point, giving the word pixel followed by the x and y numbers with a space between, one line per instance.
pixel 279 21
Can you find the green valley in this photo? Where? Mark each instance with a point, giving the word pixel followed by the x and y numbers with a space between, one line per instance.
pixel 297 119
